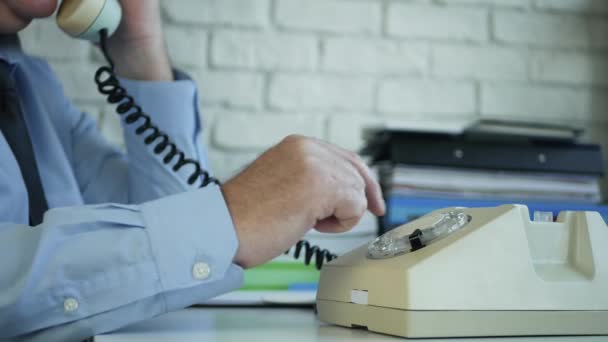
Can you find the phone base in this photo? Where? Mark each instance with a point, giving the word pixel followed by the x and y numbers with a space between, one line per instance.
pixel 499 274
pixel 428 324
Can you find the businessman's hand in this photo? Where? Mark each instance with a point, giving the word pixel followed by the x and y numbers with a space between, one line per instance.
pixel 299 184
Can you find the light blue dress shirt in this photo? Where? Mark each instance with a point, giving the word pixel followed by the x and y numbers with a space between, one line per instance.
pixel 126 238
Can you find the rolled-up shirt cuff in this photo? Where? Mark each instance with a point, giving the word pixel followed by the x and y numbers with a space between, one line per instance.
pixel 192 237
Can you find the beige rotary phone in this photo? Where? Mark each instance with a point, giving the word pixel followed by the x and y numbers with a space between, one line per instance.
pixel 461 272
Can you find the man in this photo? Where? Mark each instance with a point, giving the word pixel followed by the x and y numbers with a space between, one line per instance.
pixel 92 239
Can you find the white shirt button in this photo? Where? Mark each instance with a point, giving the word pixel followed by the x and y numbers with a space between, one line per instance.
pixel 70 305
pixel 201 271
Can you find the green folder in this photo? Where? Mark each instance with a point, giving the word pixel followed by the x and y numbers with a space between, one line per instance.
pixel 279 275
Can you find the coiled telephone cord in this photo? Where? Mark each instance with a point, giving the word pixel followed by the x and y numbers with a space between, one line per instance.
pixel 310 251
pixel 109 85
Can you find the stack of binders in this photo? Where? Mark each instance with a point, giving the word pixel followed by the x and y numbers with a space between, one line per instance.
pixel 422 172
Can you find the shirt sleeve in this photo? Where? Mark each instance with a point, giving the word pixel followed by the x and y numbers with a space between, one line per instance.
pixel 92 269
pixel 172 108
pixel 145 243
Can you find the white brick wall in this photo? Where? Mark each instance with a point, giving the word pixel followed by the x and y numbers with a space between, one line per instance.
pixel 264 51
pixel 480 62
pixel 427 97
pixel 245 13
pixel 231 88
pixel 437 22
pixel 327 68
pixel 575 68
pixel 321 92
pixel 373 55
pixel 235 131
pixel 524 101
pixel 339 16
pixel 542 29
pixel 573 5
pixel 179 39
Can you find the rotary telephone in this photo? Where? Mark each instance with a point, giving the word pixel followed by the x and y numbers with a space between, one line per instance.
pixel 475 272
pixel 96 21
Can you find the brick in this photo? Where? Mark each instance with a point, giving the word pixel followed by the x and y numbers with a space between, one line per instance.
pixel 533 102
pixel 257 131
pixel 44 38
pixel 346 130
pixel 265 51
pixel 580 6
pixel 490 3
pixel 597 105
pixel 245 13
pixel 427 97
pixel 541 29
pixel 433 22
pixel 436 123
pixel 340 16
pixel 231 88
pixel 375 56
pixel 570 68
pixel 186 46
pixel 485 63
pixel 321 92
pixel 599 33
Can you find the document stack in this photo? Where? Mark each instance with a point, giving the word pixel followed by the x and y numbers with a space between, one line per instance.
pixel 547 169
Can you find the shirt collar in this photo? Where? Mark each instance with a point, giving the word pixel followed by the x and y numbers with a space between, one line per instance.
pixel 10 48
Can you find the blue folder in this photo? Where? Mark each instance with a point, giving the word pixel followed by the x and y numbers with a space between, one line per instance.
pixel 402 209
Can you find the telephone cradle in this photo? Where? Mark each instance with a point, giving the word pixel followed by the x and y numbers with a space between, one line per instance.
pixel 461 272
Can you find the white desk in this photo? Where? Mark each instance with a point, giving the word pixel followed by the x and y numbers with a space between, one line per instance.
pixel 268 325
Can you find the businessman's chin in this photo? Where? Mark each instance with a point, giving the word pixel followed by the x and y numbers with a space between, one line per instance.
pixel 11 22
pixel 15 15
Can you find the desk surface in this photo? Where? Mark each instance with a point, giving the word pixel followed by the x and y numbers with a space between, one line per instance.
pixel 267 324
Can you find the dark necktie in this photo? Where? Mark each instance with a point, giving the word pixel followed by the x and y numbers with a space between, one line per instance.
pixel 15 132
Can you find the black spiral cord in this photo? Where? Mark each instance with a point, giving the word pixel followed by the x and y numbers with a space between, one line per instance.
pixel 320 255
pixel 109 85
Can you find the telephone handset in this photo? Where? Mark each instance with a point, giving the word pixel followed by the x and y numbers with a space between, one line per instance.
pixel 86 18
pixel 97 20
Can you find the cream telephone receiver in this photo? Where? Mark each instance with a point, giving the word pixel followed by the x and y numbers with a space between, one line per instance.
pixel 97 20
pixel 87 18
pixel 461 272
